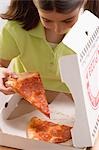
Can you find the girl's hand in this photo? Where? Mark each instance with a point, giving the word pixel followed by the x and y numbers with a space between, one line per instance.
pixel 4 74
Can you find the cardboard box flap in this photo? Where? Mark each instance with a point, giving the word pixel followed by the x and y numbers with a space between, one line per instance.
pixel 8 103
pixel 81 32
pixel 80 71
pixel 3 99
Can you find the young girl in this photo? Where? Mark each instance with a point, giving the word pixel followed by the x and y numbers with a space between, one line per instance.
pixel 32 38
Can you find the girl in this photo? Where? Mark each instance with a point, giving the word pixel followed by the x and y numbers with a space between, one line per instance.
pixel 32 38
pixel 33 35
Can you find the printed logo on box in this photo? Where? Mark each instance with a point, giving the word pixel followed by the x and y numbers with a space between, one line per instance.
pixel 90 73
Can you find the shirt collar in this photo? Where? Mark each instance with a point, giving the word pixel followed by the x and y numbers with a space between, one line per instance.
pixel 38 31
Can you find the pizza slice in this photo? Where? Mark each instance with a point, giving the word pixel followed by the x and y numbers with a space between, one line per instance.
pixel 30 87
pixel 48 131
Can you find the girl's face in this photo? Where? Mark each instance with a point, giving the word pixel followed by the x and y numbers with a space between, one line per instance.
pixel 57 22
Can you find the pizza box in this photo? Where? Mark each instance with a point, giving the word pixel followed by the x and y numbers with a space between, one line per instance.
pixel 80 71
pixel 15 114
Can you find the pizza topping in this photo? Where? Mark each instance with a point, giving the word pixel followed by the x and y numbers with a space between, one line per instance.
pixel 48 131
pixel 30 87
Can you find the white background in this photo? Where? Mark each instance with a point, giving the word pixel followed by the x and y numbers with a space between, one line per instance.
pixel 3 7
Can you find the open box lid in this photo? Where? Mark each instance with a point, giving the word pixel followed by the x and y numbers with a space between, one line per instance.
pixel 81 32
pixel 80 71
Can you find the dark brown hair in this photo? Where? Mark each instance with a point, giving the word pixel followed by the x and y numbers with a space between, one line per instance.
pixel 61 6
pixel 93 6
pixel 23 11
pixel 26 13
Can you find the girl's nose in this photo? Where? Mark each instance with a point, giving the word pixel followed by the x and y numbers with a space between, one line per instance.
pixel 58 28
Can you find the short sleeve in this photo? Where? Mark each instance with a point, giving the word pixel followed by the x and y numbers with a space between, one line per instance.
pixel 8 46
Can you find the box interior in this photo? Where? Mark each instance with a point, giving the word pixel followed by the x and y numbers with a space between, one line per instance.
pixel 62 111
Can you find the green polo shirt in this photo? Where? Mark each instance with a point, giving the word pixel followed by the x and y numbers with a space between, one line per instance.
pixel 31 52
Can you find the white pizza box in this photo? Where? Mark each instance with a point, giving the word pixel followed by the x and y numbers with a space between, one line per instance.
pixel 15 114
pixel 80 71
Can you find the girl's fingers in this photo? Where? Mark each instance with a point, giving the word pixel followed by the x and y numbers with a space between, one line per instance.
pixel 4 89
pixel 7 91
pixel 7 72
pixel 4 74
pixel 14 75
